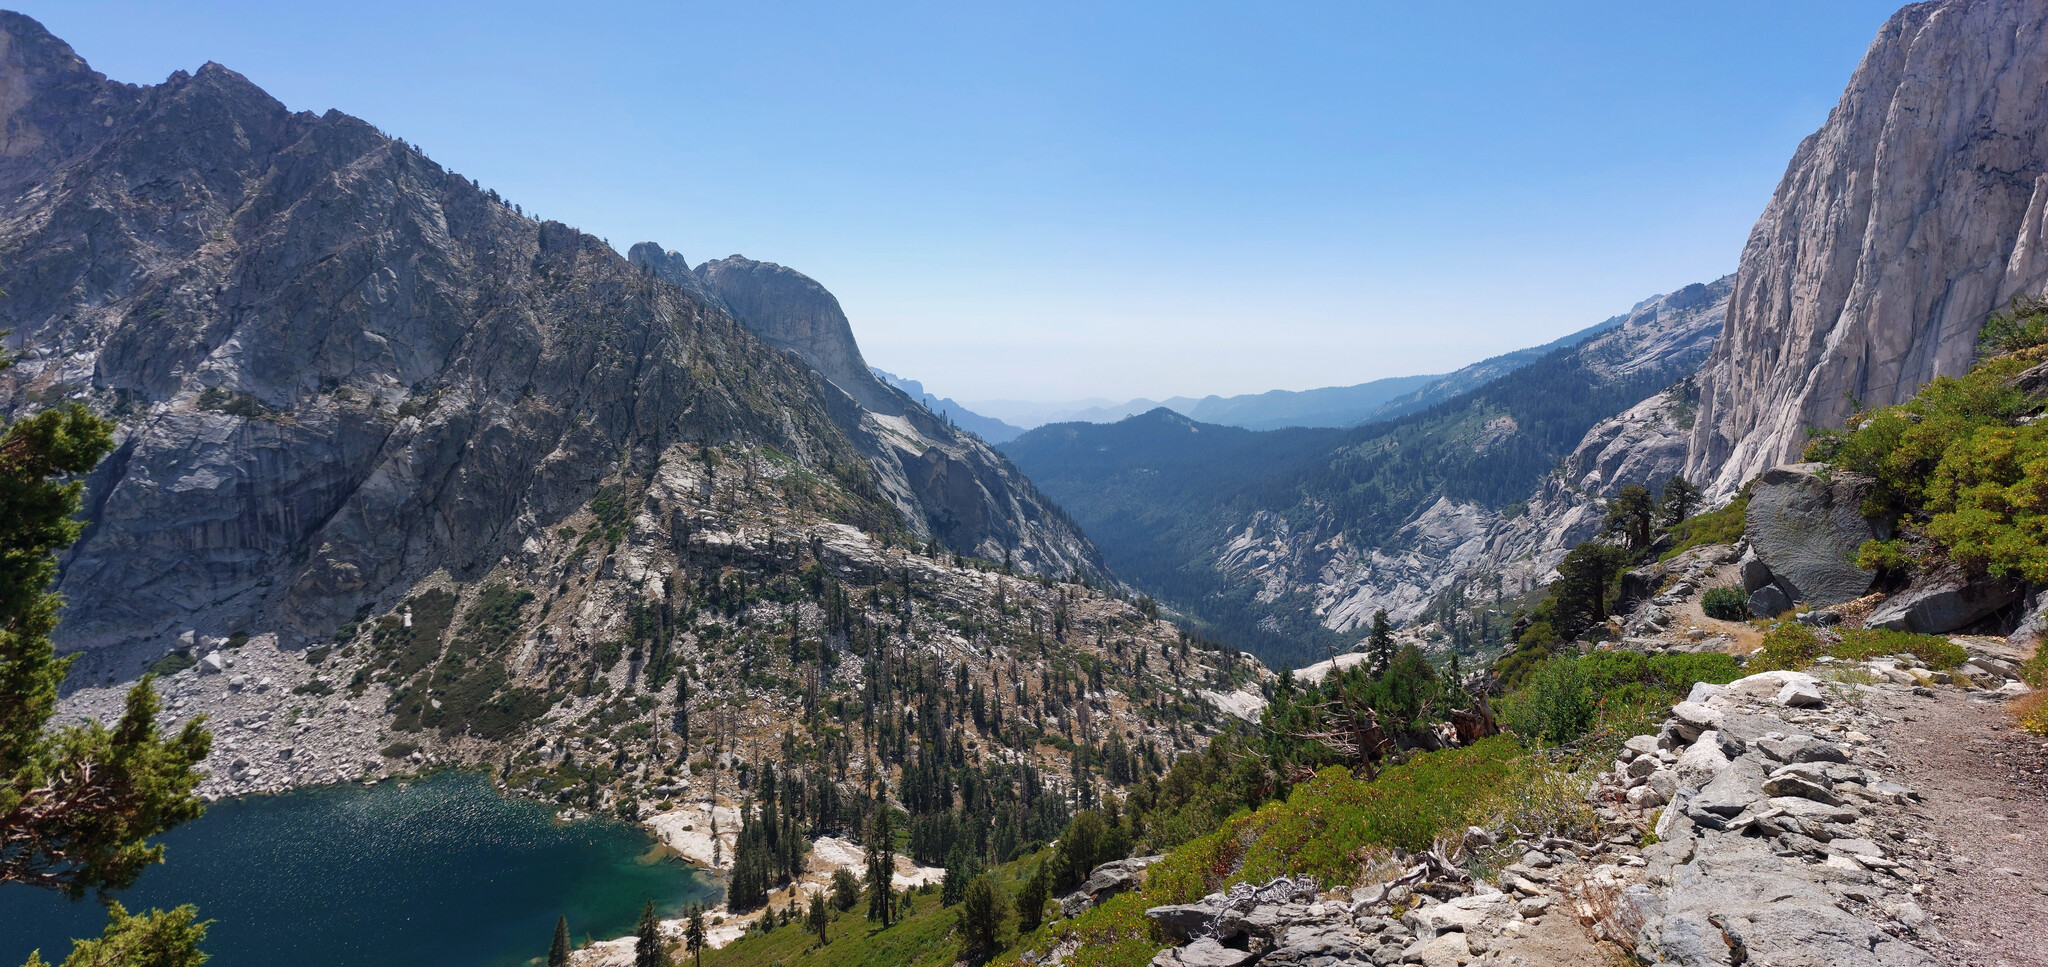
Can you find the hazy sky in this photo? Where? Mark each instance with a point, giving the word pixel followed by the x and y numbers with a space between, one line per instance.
pixel 1049 201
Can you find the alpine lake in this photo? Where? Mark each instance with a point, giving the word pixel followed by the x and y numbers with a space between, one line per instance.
pixel 442 870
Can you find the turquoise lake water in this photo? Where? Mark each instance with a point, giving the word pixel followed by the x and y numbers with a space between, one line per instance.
pixel 444 872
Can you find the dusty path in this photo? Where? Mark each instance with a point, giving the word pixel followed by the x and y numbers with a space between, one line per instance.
pixel 1984 817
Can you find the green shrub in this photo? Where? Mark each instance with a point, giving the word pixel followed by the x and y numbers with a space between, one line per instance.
pixel 1555 706
pixel 399 749
pixel 2023 325
pixel 173 663
pixel 1788 646
pixel 1726 604
pixel 1858 644
pixel 1792 646
pixel 1989 495
pixel 1876 555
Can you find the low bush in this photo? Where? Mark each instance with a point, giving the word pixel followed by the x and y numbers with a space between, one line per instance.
pixel 1320 830
pixel 1725 604
pixel 173 663
pixel 1792 646
pixel 1858 644
pixel 1788 646
pixel 1554 706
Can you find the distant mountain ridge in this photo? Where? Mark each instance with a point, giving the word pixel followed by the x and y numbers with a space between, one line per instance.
pixel 1329 406
pixel 986 427
pixel 1287 541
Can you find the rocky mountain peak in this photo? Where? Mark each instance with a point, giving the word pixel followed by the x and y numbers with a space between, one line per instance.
pixel 792 311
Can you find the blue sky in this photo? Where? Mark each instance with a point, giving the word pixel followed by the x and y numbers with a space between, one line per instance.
pixel 1051 201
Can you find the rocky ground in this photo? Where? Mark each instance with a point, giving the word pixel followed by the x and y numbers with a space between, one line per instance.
pixel 1874 813
pixel 271 731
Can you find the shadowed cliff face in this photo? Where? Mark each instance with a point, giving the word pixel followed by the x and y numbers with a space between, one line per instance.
pixel 1917 210
pixel 338 367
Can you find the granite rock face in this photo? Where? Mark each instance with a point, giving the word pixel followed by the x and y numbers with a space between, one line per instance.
pixel 1806 525
pixel 1919 208
pixel 338 367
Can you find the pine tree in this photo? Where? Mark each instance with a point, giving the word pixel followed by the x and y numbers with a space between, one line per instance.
pixel 1379 646
pixel 845 890
pixel 1631 514
pixel 881 846
pixel 558 952
pixel 982 913
pixel 1031 900
pixel 80 802
pixel 693 933
pixel 1680 497
pixel 647 945
pixel 819 918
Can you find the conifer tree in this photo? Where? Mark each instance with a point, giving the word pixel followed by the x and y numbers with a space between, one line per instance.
pixel 1031 900
pixel 1380 645
pixel 1680 497
pixel 693 933
pixel 845 890
pixel 647 945
pixel 1631 514
pixel 79 803
pixel 881 846
pixel 558 952
pixel 982 913
pixel 819 918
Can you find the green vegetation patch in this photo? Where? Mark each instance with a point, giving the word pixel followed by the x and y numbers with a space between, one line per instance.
pixel 1791 646
pixel 1722 526
pixel 173 663
pixel 1726 604
pixel 1318 830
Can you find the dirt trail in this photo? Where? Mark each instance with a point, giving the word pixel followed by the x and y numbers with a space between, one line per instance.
pixel 1984 811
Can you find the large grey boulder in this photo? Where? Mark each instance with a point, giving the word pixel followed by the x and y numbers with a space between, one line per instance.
pixel 1107 880
pixel 1769 601
pixel 1942 603
pixel 1806 527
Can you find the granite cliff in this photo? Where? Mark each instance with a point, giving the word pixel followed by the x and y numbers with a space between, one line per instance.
pixel 1912 214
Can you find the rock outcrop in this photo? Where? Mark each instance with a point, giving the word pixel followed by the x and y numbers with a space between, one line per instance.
pixel 1805 525
pixel 1919 208
pixel 338 367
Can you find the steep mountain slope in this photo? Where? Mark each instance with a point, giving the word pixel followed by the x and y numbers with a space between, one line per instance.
pixel 1290 540
pixel 1919 207
pixel 339 368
